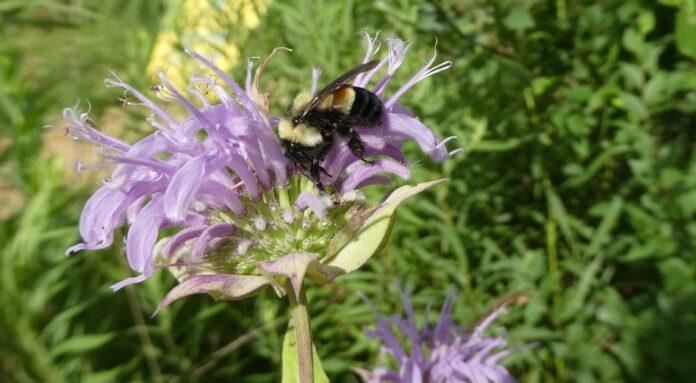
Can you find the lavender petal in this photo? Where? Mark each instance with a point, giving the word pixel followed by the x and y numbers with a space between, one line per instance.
pixel 404 126
pixel 203 241
pixel 365 171
pixel 142 234
pixel 179 239
pixel 317 204
pixel 185 184
pixel 229 286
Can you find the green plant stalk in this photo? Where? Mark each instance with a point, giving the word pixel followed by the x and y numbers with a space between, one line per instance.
pixel 303 335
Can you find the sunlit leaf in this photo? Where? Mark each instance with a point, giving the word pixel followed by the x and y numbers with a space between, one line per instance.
pixel 290 364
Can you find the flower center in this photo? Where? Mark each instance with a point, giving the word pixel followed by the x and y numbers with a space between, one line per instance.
pixel 284 220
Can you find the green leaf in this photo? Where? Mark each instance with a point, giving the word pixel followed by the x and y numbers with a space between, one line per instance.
pixel 685 33
pixel 519 19
pixel 290 364
pixel 601 236
pixel 496 145
pixel 634 105
pixel 374 233
pixel 79 344
pixel 633 42
pixel 582 289
pixel 597 164
pixel 633 75
pixel 561 216
pixel 103 376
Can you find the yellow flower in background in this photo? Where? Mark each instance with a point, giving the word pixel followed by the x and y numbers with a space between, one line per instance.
pixel 209 27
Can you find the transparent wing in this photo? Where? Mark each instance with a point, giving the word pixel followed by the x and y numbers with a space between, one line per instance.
pixel 337 83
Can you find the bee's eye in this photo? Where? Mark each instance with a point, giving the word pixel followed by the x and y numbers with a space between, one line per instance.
pixel 296 121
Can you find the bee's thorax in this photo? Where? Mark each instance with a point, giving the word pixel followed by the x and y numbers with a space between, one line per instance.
pixel 299 133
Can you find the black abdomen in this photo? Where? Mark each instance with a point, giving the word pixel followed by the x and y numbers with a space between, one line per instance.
pixel 367 108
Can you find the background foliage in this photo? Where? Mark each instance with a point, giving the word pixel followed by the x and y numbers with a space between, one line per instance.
pixel 577 189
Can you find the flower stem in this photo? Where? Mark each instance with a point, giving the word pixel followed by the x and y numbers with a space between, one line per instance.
pixel 303 336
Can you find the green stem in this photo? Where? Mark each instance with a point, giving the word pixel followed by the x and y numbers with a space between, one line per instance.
pixel 303 336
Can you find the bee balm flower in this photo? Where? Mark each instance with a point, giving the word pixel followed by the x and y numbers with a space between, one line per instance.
pixel 443 353
pixel 241 215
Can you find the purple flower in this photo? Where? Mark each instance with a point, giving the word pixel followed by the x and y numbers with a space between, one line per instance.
pixel 242 214
pixel 443 353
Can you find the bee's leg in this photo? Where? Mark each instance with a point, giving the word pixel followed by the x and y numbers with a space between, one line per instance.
pixel 303 170
pixel 356 146
pixel 315 175
pixel 324 171
pixel 307 168
pixel 323 151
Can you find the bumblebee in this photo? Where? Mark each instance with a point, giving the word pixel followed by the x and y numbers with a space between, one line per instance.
pixel 307 132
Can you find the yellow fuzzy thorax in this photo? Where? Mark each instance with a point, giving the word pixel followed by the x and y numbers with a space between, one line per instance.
pixel 301 134
pixel 341 99
pixel 302 99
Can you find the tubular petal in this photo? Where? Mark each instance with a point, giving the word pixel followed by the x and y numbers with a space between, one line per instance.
pixel 309 200
pixel 178 239
pixel 404 126
pixel 365 171
pixel 184 185
pixel 229 286
pixel 143 234
pixel 203 241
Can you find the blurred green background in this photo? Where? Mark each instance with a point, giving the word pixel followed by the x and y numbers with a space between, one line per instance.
pixel 576 190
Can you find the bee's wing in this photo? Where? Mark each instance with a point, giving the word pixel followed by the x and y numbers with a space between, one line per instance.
pixel 337 83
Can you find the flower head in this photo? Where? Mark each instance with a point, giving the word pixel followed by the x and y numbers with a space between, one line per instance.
pixel 440 353
pixel 241 215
